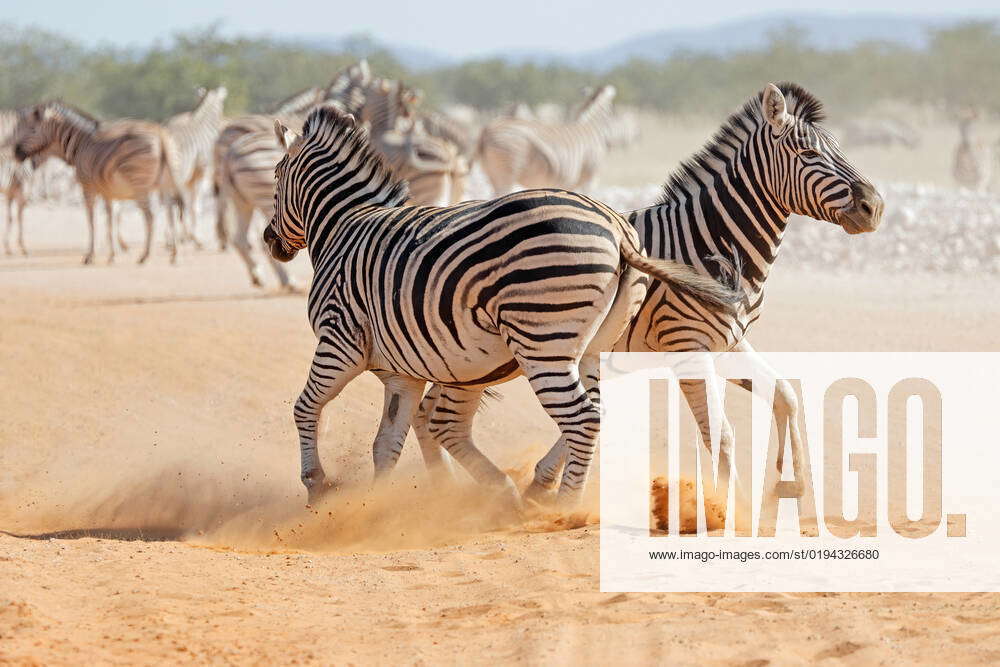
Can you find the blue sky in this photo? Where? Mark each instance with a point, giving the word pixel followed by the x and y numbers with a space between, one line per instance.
pixel 454 27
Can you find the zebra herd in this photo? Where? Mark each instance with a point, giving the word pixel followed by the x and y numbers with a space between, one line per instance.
pixel 419 287
pixel 537 283
pixel 235 157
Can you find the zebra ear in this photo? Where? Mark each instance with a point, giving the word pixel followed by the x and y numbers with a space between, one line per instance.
pixel 362 71
pixel 285 136
pixel 774 108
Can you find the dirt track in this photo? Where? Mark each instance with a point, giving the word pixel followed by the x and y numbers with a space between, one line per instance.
pixel 154 402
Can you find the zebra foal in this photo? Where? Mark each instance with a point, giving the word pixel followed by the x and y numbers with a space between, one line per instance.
pixel 470 295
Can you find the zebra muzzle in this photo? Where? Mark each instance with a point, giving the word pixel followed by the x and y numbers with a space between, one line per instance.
pixel 276 245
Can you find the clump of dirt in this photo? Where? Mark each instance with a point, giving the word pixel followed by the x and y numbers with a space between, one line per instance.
pixel 715 511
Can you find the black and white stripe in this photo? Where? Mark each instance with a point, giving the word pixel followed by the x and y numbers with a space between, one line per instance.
pixel 119 160
pixel 468 296
pixel 515 151
pixel 194 133
pixel 727 206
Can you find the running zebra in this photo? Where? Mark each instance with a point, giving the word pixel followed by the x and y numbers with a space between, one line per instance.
pixel 535 154
pixel 470 295
pixel 125 159
pixel 245 155
pixel 194 133
pixel 246 152
pixel 731 201
pixel 433 166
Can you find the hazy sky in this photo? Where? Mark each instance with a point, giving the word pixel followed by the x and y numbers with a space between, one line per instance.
pixel 456 27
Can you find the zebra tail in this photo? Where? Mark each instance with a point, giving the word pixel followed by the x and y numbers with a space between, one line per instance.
pixel 716 295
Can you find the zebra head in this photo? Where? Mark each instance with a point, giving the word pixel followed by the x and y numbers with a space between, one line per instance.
pixel 35 133
pixel 809 173
pixel 327 171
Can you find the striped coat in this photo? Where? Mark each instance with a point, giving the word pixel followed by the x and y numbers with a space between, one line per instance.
pixel 120 160
pixel 724 212
pixel 468 295
pixel 535 154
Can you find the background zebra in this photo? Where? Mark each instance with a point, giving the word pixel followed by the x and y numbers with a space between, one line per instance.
pixel 730 201
pixel 125 159
pixel 432 164
pixel 536 154
pixel 246 152
pixel 536 282
pixel 14 179
pixel 194 133
pixel 969 167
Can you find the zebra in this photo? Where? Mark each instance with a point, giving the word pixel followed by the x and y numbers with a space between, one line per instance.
pixel 246 152
pixel 433 166
pixel 15 180
pixel 731 200
pixel 124 159
pixel 469 295
pixel 194 133
pixel 535 154
pixel 968 168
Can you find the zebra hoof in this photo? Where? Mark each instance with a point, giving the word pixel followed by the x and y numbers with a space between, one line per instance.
pixel 539 494
pixel 509 499
pixel 88 259
pixel 142 260
pixel 319 491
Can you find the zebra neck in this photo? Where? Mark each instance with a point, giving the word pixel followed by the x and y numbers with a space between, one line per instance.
pixel 717 213
pixel 71 138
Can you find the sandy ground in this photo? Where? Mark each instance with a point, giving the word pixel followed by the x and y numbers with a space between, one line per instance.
pixel 150 407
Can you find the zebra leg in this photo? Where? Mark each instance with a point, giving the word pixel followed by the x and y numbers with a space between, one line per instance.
pixel 334 365
pixel 118 225
pixel 189 216
pixel 402 395
pixel 705 399
pixel 20 225
pixel 111 230
pixel 786 408
pixel 221 233
pixel 559 388
pixel 88 203
pixel 147 215
pixel 448 425
pixel 435 458
pixel 549 466
pixel 244 215
pixel 8 225
pixel 170 232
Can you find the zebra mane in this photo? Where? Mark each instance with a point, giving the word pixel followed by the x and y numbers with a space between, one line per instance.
pixel 800 102
pixel 600 99
pixel 329 119
pixel 74 115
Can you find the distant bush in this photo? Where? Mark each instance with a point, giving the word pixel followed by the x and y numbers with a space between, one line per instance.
pixel 958 68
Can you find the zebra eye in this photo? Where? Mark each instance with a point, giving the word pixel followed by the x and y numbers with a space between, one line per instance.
pixel 810 153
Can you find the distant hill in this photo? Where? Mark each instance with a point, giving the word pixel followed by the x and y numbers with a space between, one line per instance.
pixel 824 31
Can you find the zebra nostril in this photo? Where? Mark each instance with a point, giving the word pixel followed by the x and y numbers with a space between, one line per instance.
pixel 866 208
